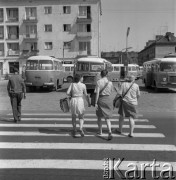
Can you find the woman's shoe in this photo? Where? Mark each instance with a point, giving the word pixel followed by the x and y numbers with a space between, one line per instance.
pixel 110 136
pixel 117 131
pixel 99 133
pixel 74 133
pixel 82 133
pixel 131 136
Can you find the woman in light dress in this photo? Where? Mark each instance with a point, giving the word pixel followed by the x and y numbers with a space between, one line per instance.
pixel 76 90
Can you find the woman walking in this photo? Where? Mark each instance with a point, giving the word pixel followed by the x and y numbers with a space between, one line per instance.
pixel 103 102
pixel 76 91
pixel 128 108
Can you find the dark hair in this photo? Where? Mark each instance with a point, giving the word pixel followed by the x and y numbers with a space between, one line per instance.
pixel 104 73
pixel 77 78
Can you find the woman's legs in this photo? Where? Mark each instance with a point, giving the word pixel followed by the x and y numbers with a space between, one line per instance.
pixel 74 122
pixel 99 122
pixel 108 122
pixel 132 124
pixel 121 122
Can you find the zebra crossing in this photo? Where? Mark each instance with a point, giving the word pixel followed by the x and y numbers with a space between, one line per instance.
pixel 48 136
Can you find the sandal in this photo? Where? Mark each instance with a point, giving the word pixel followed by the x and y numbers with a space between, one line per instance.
pixel 110 136
pixel 82 133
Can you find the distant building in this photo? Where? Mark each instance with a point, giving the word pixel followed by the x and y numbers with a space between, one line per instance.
pixel 61 28
pixel 120 57
pixel 158 48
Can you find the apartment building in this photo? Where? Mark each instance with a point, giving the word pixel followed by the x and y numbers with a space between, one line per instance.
pixel 64 29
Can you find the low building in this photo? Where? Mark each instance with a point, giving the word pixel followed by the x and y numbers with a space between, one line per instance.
pixel 158 48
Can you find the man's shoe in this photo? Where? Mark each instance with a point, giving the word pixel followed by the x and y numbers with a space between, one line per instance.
pixel 110 136
pixel 82 133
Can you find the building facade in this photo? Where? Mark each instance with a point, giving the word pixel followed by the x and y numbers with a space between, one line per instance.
pixel 158 48
pixel 64 29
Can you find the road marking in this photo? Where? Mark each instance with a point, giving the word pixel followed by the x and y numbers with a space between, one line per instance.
pixel 70 125
pixel 49 132
pixel 69 119
pixel 90 146
pixel 62 114
pixel 78 164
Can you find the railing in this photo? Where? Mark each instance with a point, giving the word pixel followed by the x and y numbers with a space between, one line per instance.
pixel 30 19
pixel 12 19
pixel 84 34
pixel 13 36
pixel 30 36
pixel 13 52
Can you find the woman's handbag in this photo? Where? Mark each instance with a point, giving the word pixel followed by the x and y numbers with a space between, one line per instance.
pixel 65 104
pixel 93 96
pixel 118 99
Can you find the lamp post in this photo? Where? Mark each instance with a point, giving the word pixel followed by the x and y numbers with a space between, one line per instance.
pixel 122 52
pixel 126 63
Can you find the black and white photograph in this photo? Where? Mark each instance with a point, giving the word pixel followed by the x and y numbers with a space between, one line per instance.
pixel 87 89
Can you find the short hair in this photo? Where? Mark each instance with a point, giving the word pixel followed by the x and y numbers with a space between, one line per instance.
pixel 131 78
pixel 77 78
pixel 104 73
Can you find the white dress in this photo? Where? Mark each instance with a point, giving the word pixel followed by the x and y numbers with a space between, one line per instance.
pixel 76 90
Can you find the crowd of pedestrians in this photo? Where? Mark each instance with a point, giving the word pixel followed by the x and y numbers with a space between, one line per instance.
pixel 77 90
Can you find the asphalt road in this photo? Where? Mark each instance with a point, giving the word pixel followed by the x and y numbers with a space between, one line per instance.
pixel 41 146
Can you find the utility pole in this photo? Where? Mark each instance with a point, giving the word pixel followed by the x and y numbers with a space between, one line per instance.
pixel 126 64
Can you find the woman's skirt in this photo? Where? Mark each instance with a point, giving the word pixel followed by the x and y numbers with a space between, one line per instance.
pixel 77 106
pixel 105 107
pixel 128 110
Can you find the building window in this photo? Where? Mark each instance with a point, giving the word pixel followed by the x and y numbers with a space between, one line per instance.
pixel 84 11
pixel 67 45
pixel 31 46
pixel 31 13
pixel 48 45
pixel 66 9
pixel 67 27
pixel 1 32
pixel 12 14
pixel 84 46
pixel 1 15
pixel 48 10
pixel 48 28
pixel 84 28
pixel 31 29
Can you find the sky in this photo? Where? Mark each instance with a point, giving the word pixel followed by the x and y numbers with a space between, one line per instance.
pixel 146 19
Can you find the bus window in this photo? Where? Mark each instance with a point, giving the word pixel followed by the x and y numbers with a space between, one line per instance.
pixel 116 68
pixel 96 67
pixel 67 68
pixel 129 68
pixel 32 65
pixel 133 68
pixel 83 66
pixel 45 65
pixel 72 68
pixel 55 65
pixel 168 66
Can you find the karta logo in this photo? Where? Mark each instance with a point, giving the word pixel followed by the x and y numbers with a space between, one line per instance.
pixel 137 170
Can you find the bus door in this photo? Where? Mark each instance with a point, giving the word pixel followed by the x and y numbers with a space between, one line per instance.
pixel 122 72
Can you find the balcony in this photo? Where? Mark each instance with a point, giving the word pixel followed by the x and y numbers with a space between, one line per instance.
pixel 13 37
pixel 84 34
pixel 12 19
pixel 30 19
pixel 13 52
pixel 83 19
pixel 30 36
pixel 84 53
pixel 27 53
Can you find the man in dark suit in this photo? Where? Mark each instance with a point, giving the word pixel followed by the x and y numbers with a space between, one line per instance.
pixel 16 90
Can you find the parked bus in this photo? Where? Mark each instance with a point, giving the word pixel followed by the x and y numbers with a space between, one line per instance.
pixel 44 71
pixel 117 73
pixel 140 71
pixel 90 67
pixel 160 73
pixel 133 69
pixel 68 68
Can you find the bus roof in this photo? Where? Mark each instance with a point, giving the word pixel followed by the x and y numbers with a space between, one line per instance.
pixel 68 65
pixel 169 59
pixel 117 64
pixel 133 65
pixel 92 59
pixel 43 58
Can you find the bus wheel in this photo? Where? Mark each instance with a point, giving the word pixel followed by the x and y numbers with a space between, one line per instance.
pixel 69 79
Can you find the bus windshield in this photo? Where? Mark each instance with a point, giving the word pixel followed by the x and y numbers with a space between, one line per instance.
pixel 45 65
pixel 93 67
pixel 32 65
pixel 168 66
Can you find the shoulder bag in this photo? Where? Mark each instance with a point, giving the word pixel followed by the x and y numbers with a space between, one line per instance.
pixel 118 99
pixel 65 102
pixel 93 96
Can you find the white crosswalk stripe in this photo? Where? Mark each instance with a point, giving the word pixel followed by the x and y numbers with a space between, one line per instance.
pixel 56 121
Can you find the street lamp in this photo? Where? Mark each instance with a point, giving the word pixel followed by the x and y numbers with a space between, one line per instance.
pixel 126 63
pixel 121 53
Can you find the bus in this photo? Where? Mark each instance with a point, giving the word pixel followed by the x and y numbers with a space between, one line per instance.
pixel 160 73
pixel 117 73
pixel 133 69
pixel 68 68
pixel 44 71
pixel 90 68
